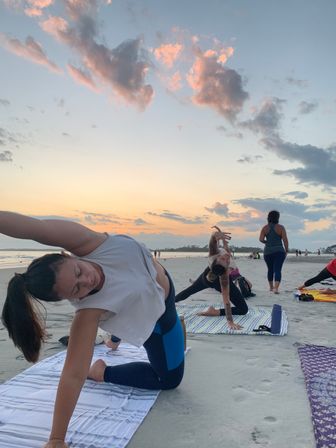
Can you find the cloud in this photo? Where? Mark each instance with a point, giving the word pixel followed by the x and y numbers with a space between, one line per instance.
pixel 297 194
pixel 100 218
pixel 219 209
pixel 30 50
pixel 319 165
pixel 216 86
pixel 8 138
pixel 250 159
pixel 294 214
pixel 82 77
pixel 178 218
pixel 306 108
pixel 175 82
pixel 4 102
pixel 167 54
pixel 297 82
pixel 123 69
pixel 6 156
pixel 267 119
pixel 140 222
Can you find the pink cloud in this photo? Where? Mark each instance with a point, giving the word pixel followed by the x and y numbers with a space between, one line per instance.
pixel 33 12
pixel 168 53
pixel 55 26
pixel 82 77
pixel 40 3
pixel 123 68
pixel 216 86
pixel 30 50
pixel 175 82
pixel 35 7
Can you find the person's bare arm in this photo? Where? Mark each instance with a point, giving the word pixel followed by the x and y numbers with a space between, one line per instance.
pixel 284 238
pixel 214 240
pixel 262 235
pixel 76 367
pixel 69 235
pixel 225 288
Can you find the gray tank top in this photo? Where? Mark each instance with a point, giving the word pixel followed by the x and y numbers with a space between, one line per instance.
pixel 273 241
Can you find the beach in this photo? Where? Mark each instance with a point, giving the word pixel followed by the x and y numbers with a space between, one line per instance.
pixel 238 390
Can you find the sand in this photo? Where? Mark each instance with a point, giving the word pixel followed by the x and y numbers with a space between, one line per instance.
pixel 238 391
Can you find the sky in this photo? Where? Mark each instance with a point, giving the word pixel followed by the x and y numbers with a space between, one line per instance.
pixel 162 119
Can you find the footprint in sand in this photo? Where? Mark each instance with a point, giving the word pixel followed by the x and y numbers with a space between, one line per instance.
pixel 259 438
pixel 240 393
pixel 252 361
pixel 270 419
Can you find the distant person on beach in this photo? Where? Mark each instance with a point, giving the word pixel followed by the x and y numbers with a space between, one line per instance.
pixel 328 272
pixel 114 283
pixel 217 276
pixel 274 236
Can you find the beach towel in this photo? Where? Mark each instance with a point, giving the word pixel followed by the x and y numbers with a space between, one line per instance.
pixel 255 317
pixel 320 297
pixel 319 367
pixel 106 416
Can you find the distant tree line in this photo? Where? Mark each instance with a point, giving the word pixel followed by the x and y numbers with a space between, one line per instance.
pixel 236 249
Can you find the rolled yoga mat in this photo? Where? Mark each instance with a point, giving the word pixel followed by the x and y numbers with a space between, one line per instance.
pixel 276 319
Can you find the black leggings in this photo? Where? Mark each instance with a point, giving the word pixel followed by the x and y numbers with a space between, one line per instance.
pixel 323 275
pixel 165 350
pixel 240 306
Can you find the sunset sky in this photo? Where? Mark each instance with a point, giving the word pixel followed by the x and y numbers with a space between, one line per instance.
pixel 160 119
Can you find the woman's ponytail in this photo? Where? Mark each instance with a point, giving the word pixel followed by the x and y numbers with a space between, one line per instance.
pixel 22 320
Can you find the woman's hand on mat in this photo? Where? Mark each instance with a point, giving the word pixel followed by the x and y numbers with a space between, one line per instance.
pixel 234 326
pixel 56 443
pixel 211 311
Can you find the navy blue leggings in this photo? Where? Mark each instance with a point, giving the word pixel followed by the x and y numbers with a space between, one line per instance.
pixel 274 265
pixel 165 350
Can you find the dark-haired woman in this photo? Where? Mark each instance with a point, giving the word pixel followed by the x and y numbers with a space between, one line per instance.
pixel 274 236
pixel 114 283
pixel 217 276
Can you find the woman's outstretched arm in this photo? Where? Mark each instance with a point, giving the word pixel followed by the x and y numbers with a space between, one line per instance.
pixel 69 235
pixel 76 367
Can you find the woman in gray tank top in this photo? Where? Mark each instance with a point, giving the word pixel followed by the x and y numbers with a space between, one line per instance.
pixel 274 236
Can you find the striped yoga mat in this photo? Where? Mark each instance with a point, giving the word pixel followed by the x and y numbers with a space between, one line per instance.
pixel 202 324
pixel 106 416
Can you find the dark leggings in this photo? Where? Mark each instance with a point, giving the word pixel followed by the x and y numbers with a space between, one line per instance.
pixel 274 265
pixel 165 350
pixel 240 307
pixel 323 275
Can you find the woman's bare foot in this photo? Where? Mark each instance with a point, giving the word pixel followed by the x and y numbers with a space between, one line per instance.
pixel 112 345
pixel 97 370
pixel 211 311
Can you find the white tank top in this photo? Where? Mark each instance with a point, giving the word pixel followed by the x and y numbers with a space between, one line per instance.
pixel 130 295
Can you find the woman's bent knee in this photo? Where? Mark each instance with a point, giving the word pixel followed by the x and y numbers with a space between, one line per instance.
pixel 173 379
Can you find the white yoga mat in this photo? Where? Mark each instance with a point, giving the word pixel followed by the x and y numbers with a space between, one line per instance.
pixel 203 324
pixel 106 415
